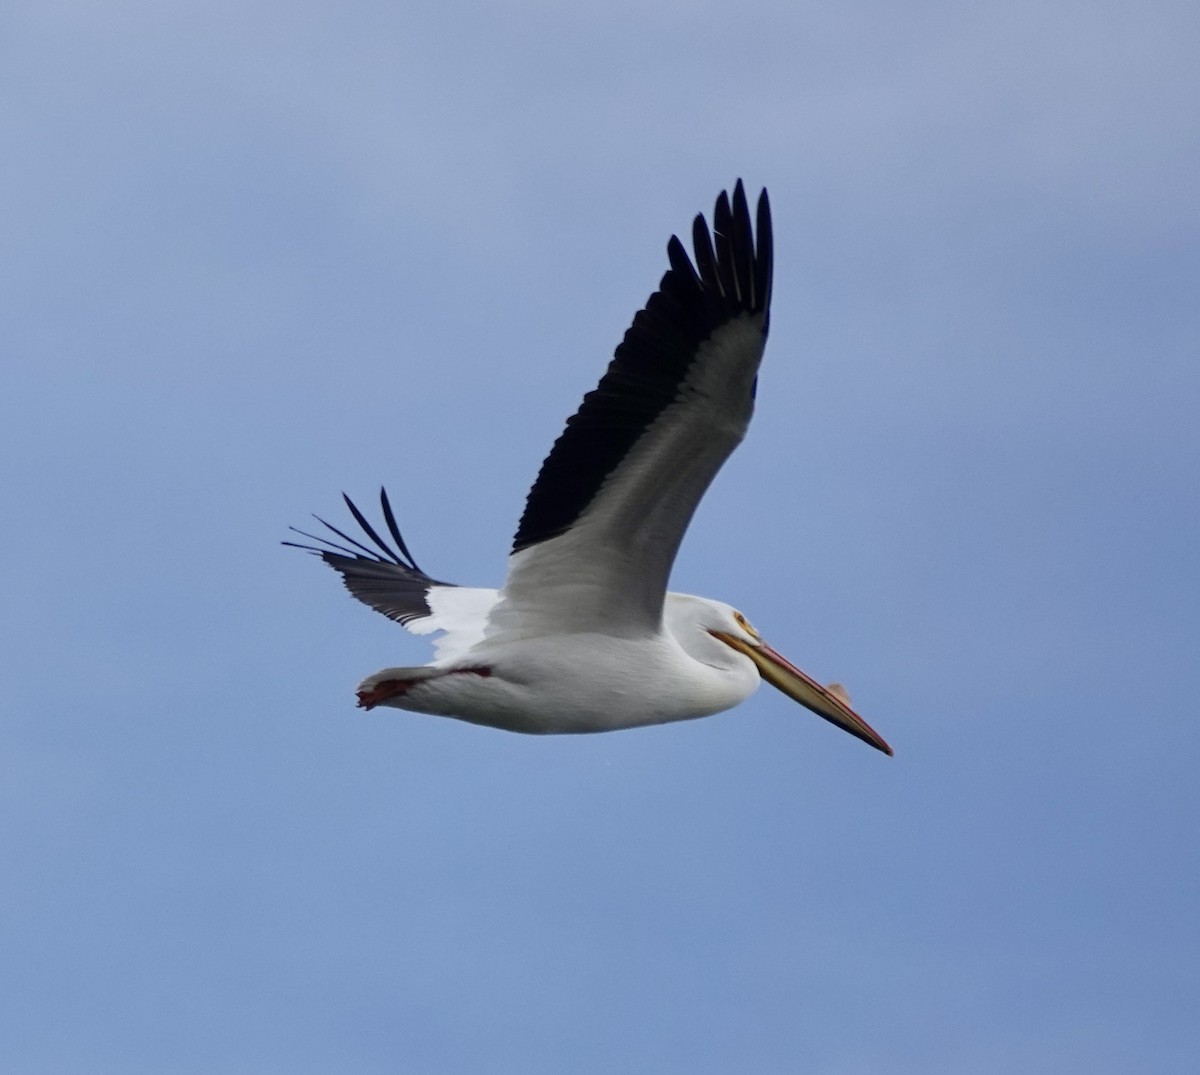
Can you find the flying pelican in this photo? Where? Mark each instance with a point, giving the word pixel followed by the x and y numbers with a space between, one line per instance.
pixel 584 636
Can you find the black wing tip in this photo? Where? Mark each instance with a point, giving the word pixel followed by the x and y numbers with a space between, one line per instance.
pixel 386 578
pixel 353 549
pixel 734 258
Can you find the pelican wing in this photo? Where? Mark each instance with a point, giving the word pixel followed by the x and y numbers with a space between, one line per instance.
pixel 614 497
pixel 388 579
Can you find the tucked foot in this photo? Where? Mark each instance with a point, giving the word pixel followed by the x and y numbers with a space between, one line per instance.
pixel 381 692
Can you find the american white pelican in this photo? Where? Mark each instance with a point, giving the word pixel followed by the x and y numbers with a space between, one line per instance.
pixel 583 636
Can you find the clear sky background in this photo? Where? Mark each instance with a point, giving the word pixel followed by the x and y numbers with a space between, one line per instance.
pixel 257 253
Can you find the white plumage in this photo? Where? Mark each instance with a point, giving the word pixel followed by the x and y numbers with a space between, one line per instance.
pixel 583 636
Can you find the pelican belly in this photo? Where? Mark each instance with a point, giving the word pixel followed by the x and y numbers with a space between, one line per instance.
pixel 578 683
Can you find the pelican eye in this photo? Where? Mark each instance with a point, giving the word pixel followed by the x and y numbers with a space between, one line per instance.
pixel 744 624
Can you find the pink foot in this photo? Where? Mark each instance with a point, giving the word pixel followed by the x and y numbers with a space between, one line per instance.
pixel 393 688
pixel 381 692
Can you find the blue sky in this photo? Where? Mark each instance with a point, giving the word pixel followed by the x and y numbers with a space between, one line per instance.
pixel 257 253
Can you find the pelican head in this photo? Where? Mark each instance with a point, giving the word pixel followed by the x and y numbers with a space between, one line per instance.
pixel 728 625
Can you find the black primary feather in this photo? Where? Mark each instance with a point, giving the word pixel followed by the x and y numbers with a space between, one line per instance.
pixel 390 580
